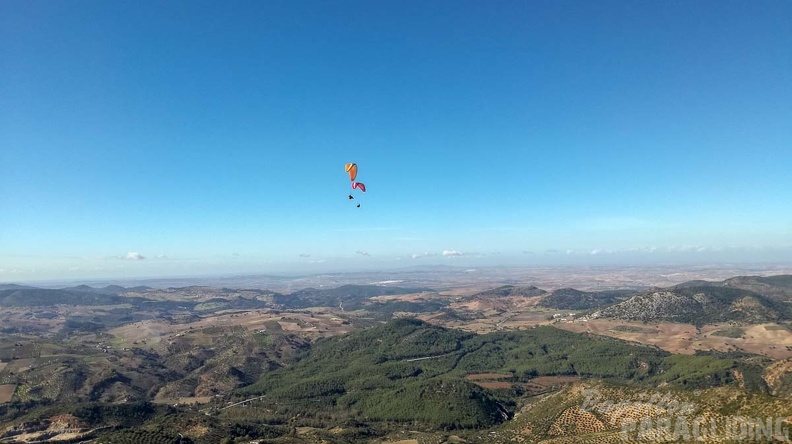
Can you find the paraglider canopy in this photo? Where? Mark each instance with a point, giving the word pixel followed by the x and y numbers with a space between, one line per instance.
pixel 351 168
pixel 359 186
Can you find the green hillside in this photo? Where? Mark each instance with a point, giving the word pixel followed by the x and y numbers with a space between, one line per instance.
pixel 508 291
pixel 351 297
pixel 410 371
pixel 29 297
pixel 701 305
pixel 572 299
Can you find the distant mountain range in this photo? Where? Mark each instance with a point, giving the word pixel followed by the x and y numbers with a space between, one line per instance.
pixel 742 299
pixel 349 297
pixel 30 296
pixel 13 287
pixel 778 288
pixel 110 289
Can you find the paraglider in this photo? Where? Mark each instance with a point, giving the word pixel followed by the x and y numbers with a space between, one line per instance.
pixel 352 169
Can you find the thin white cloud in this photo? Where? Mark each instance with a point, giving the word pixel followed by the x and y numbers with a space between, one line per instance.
pixel 305 255
pixel 133 256
pixel 649 250
pixel 600 251
pixel 686 248
pixel 362 253
pixel 424 254
pixel 453 253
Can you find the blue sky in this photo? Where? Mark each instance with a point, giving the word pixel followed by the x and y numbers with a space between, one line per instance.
pixel 190 137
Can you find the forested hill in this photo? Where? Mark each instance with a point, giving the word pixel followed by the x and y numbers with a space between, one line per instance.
pixel 407 370
pixel 572 299
pixel 509 291
pixel 42 297
pixel 778 288
pixel 351 297
pixel 703 304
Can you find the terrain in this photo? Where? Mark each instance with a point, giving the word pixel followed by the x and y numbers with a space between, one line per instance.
pixel 459 278
pixel 386 362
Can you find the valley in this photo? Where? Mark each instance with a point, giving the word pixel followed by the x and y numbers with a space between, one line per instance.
pixel 380 363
